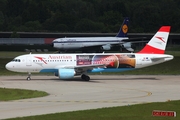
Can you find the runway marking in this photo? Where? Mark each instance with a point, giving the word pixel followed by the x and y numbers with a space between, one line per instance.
pixel 107 101
pixel 148 93
pixel 96 101
pixel 115 100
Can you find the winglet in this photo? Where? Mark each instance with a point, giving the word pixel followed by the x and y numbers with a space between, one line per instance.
pixel 124 28
pixel 158 42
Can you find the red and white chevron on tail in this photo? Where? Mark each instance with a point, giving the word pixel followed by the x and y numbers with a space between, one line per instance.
pixel 158 42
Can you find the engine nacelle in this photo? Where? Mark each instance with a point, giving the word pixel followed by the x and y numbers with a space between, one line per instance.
pixel 128 46
pixel 106 47
pixel 64 73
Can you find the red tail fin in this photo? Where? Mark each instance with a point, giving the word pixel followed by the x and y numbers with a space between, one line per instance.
pixel 157 44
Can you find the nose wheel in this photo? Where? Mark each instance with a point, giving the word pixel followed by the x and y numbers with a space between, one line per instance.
pixel 85 77
pixel 29 77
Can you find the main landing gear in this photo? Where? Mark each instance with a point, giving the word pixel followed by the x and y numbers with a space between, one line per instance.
pixel 29 76
pixel 85 77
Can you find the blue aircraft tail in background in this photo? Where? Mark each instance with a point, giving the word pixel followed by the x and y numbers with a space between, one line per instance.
pixel 124 28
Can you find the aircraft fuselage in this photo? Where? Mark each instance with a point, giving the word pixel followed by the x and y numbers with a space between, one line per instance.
pixel 113 62
pixel 83 42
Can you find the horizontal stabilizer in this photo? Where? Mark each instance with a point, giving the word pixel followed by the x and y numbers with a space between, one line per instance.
pixel 155 59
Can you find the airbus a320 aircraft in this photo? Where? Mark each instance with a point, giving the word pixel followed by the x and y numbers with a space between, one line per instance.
pixel 96 43
pixel 66 66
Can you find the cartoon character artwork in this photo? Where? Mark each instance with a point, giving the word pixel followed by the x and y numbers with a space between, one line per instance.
pixel 110 61
pixel 126 60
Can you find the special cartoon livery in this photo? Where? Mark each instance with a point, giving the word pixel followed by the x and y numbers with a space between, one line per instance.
pixel 66 66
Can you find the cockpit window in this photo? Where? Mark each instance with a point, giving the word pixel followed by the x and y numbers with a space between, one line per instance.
pixel 16 60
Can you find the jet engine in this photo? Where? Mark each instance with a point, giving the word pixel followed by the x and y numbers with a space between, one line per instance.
pixel 64 73
pixel 128 46
pixel 106 47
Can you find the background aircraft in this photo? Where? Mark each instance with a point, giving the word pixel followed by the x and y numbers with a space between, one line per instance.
pixel 66 66
pixel 96 43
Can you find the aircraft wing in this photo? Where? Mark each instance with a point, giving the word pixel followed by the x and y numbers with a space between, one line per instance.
pixel 123 41
pixel 85 68
pixel 134 39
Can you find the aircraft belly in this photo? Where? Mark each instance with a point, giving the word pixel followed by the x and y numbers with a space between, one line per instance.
pixel 72 46
pixel 31 69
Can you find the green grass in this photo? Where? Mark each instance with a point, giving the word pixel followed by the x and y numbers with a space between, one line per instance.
pixel 5 54
pixel 7 94
pixel 131 112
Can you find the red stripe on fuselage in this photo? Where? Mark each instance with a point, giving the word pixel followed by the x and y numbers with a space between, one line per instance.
pixel 151 50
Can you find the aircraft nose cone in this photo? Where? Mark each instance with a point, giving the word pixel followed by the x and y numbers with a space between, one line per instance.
pixel 8 66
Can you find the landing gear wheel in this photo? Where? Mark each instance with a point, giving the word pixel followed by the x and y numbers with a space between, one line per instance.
pixel 85 77
pixel 28 78
pixel 82 76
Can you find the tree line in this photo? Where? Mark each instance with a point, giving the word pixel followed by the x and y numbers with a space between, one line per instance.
pixel 88 15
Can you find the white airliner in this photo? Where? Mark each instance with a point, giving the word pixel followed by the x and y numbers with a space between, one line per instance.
pixel 66 66
pixel 96 43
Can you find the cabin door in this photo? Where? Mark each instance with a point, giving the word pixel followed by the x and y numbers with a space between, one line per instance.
pixel 28 61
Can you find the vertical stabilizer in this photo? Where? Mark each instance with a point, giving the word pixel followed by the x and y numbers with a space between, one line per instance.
pixel 124 28
pixel 158 42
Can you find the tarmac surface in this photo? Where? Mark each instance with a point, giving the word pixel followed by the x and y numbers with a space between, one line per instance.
pixel 101 91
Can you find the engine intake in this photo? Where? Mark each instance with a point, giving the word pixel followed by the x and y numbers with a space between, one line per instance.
pixel 128 46
pixel 106 47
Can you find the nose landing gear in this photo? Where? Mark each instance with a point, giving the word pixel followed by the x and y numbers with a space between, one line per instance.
pixel 29 76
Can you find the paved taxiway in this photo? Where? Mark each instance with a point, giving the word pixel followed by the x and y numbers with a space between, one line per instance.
pixel 100 91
